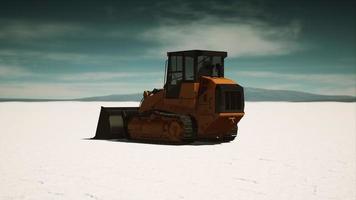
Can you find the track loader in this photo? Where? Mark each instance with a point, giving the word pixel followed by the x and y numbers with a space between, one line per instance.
pixel 196 103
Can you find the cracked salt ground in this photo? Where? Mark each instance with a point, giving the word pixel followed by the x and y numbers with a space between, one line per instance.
pixel 283 151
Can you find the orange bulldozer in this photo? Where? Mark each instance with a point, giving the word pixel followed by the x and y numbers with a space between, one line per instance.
pixel 196 103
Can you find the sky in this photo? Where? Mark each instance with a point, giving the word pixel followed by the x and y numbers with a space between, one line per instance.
pixel 71 49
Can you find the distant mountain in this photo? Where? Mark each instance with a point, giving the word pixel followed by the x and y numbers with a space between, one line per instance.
pixel 30 100
pixel 251 94
pixel 114 97
pixel 258 94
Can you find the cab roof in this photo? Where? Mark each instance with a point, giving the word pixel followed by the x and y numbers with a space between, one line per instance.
pixel 197 53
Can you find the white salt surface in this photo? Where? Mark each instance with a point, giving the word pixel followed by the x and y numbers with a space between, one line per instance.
pixel 283 151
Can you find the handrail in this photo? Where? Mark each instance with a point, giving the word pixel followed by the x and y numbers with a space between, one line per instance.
pixel 165 72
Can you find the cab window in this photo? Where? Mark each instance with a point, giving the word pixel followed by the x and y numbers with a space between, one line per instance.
pixel 174 76
pixel 188 68
pixel 175 72
pixel 210 66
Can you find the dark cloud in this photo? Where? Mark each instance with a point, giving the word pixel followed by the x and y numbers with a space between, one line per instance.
pixel 43 36
pixel 115 27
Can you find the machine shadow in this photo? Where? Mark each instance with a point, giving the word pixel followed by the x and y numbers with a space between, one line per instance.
pixel 195 143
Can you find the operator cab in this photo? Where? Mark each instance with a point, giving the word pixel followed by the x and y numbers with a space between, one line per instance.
pixel 189 66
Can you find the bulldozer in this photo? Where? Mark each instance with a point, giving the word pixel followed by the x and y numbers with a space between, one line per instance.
pixel 196 103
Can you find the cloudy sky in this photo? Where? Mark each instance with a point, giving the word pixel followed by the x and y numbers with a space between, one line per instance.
pixel 67 49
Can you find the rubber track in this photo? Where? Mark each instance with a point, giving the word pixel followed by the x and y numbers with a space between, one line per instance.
pixel 185 119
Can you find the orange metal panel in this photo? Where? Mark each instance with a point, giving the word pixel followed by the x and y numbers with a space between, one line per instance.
pixel 189 90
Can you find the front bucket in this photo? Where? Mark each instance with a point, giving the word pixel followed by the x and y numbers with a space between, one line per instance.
pixel 113 121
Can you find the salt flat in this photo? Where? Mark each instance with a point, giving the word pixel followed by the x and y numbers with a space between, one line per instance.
pixel 283 151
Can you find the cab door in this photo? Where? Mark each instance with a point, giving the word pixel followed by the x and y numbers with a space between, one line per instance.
pixel 174 76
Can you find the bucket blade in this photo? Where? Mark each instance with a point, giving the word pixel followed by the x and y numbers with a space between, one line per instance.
pixel 112 123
